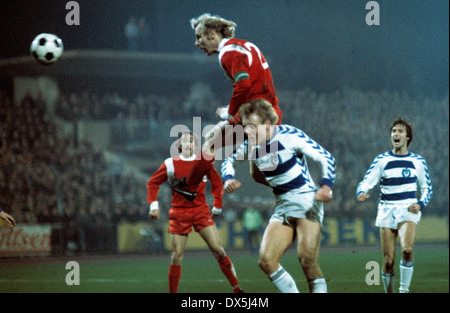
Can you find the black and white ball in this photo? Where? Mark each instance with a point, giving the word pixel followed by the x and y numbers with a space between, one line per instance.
pixel 46 48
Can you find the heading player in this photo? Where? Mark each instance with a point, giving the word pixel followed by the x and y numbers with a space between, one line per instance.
pixel 280 152
pixel 248 70
pixel 400 174
pixel 187 214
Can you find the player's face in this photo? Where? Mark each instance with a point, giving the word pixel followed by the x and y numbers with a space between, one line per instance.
pixel 258 132
pixel 399 137
pixel 205 40
pixel 187 145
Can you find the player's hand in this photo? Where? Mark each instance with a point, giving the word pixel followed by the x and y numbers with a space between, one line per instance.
pixel 10 221
pixel 231 185
pixel 414 208
pixel 362 197
pixel 153 213
pixel 222 113
pixel 324 194
pixel 216 212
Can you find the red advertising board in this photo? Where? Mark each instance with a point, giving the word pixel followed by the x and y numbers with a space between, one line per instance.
pixel 25 240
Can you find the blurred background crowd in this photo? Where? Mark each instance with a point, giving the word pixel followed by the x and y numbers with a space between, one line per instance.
pixel 48 177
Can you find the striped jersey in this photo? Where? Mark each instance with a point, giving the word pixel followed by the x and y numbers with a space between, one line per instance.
pixel 282 160
pixel 400 178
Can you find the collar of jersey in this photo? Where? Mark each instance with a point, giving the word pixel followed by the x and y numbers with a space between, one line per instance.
pixel 222 43
pixel 191 158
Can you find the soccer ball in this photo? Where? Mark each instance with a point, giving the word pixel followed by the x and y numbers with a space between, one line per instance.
pixel 46 48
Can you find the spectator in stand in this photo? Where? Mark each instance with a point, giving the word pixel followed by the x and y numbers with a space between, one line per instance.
pixel 132 34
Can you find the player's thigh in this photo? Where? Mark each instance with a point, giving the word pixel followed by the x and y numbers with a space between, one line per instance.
pixel 277 238
pixel 308 236
pixel 211 236
pixel 178 243
pixel 388 239
pixel 407 234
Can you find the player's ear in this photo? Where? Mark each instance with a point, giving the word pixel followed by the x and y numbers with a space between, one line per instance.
pixel 211 34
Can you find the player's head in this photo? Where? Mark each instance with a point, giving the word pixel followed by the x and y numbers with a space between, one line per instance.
pixel 257 118
pixel 398 126
pixel 188 143
pixel 260 107
pixel 210 30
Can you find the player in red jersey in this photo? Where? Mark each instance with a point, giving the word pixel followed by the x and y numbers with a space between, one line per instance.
pixel 248 71
pixel 186 214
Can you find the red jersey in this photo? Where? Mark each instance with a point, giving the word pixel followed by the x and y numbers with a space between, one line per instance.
pixel 248 70
pixel 179 167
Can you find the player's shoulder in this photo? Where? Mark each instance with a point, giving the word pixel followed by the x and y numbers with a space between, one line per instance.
pixel 383 158
pixel 288 129
pixel 170 162
pixel 236 41
pixel 384 155
pixel 289 132
pixel 234 47
pixel 417 157
pixel 171 159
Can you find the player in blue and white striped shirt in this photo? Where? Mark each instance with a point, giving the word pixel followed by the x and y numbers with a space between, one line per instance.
pixel 401 175
pixel 280 152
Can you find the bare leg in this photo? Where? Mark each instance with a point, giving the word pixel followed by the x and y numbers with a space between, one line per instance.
pixel 276 240
pixel 388 239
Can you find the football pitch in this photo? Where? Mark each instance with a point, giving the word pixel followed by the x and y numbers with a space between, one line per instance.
pixel 344 268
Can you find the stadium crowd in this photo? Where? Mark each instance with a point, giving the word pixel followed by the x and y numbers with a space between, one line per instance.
pixel 46 177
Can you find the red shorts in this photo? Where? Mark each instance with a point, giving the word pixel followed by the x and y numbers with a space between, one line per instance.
pixel 181 221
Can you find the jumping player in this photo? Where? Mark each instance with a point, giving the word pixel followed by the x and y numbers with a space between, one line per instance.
pixel 400 173
pixel 187 214
pixel 248 71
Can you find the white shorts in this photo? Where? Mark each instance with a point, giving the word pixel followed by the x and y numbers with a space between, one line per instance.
pixel 389 215
pixel 294 204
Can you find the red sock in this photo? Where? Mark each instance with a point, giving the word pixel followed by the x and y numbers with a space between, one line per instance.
pixel 198 170
pixel 174 277
pixel 228 270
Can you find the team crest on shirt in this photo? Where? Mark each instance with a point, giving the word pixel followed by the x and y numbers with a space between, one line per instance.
pixel 268 162
pixel 406 172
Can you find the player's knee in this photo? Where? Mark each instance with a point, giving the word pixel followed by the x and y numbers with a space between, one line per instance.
pixel 307 261
pixel 388 262
pixel 177 258
pixel 218 252
pixel 407 253
pixel 267 265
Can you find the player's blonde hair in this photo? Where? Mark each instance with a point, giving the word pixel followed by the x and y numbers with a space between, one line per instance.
pixel 262 108
pixel 215 22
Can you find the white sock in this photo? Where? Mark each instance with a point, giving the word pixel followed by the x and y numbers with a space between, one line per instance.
pixel 388 282
pixel 317 285
pixel 406 272
pixel 283 281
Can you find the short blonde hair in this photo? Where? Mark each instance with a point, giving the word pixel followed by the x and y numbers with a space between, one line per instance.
pixel 262 108
pixel 215 22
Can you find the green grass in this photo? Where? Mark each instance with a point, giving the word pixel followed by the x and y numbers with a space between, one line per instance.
pixel 345 271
